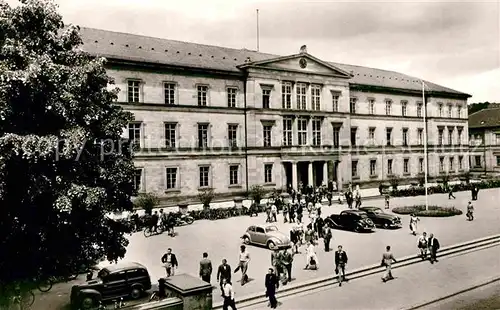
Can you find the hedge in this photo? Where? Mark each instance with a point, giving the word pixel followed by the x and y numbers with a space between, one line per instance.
pixel 420 190
pixel 433 211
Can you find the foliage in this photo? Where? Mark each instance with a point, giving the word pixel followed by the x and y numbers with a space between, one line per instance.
pixel 475 107
pixel 433 211
pixel 146 201
pixel 394 181
pixel 421 179
pixel 206 196
pixel 257 192
pixel 445 179
pixel 63 164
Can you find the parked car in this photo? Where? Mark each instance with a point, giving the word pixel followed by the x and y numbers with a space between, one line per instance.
pixel 112 282
pixel 354 220
pixel 382 219
pixel 268 236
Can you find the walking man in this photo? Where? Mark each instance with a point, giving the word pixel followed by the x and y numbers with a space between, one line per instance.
pixel 223 273
pixel 287 258
pixel 286 206
pixel 450 192
pixel 387 260
pixel 274 213
pixel 272 284
pixel 169 261
pixel 327 237
pixel 275 262
pixel 340 262
pixel 422 245
pixel 470 212
pixel 244 259
pixel 228 295
pixel 205 268
pixel 433 244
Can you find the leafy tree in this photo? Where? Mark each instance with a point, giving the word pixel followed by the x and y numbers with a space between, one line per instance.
pixel 146 201
pixel 475 107
pixel 257 192
pixel 206 196
pixel 63 165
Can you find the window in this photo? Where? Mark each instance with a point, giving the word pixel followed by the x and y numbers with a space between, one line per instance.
pixel 336 136
pixel 354 168
pixel 406 166
pixel 287 131
pixel 459 112
pixel 371 135
pixel 231 97
pixel 267 130
pixel 477 160
pixel 419 109
pixel 353 136
pixel 302 131
pixel 420 135
pixel 169 89
pixel 268 173
pixel 232 135
pixel 421 165
pixel 450 111
pixel 134 134
pixel 373 167
pixel 497 138
pixel 266 98
pixel 441 164
pixel 388 136
pixel 450 136
pixel 405 136
pixel 498 161
pixel 388 107
pixel 389 166
pixel 134 89
pixel 171 175
pixel 301 90
pixel 461 162
pixel 440 136
pixel 137 179
pixel 286 95
pixel 452 163
pixel 403 107
pixel 170 135
pixel 371 106
pixel 459 132
pixel 204 176
pixel 202 135
pixel 202 95
pixel 440 109
pixel 316 97
pixel 316 131
pixel 352 105
pixel 234 171
pixel 335 101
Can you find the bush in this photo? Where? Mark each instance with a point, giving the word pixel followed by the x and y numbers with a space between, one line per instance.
pixel 257 193
pixel 434 211
pixel 206 196
pixel 394 180
pixel 146 201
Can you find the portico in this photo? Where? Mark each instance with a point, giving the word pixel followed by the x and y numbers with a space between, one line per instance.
pixel 312 173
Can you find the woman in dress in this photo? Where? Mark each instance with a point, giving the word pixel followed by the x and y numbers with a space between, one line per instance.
pixel 413 224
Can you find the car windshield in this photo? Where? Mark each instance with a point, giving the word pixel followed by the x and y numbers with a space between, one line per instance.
pixel 377 211
pixel 271 228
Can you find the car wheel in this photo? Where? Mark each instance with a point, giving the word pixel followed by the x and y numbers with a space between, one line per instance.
pixel 246 240
pixel 88 303
pixel 136 292
pixel 271 245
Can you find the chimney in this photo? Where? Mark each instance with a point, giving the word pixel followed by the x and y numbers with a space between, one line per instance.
pixel 303 49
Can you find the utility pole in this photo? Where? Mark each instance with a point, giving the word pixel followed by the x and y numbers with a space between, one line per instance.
pixel 257 30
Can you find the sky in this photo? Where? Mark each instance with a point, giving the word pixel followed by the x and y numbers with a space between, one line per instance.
pixel 454 44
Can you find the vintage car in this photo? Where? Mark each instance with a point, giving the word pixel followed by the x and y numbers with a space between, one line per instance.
pixel 266 235
pixel 382 219
pixel 112 282
pixel 354 220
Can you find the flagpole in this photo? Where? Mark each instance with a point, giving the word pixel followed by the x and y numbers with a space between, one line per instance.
pixel 425 145
pixel 258 47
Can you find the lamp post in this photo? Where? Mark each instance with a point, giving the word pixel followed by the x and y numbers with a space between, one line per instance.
pixel 425 145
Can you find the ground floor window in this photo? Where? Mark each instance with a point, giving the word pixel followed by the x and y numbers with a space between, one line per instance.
pixel 268 173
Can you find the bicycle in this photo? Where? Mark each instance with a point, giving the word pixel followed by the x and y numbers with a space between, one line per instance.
pixel 24 299
pixel 155 296
pixel 148 231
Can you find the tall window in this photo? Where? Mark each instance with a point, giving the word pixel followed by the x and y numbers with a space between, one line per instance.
pixel 440 136
pixel 452 163
pixel 459 112
pixel 134 90
pixel 352 105
pixel 477 160
pixel 170 135
pixel 335 101
pixel 231 97
pixel 388 136
pixel 420 134
pixel 286 95
pixel 336 136
pixel 450 111
pixel 389 166
pixel 405 136
pixel 388 107
pixel 440 109
pixel 459 132
pixel 287 131
pixel 316 131
pixel 421 165
pixel 406 165
pixel 460 162
pixel 441 164
pixel 403 107
pixel 169 89
pixel 202 95
pixel 202 135
pixel 371 135
pixel 302 131
pixel 204 176
pixel 232 135
pixel 134 134
pixel 353 136
pixel 268 173
pixel 301 90
pixel 267 130
pixel 373 167
pixel 137 179
pixel 266 98
pixel 234 171
pixel 171 178
pixel 354 168
pixel 450 136
pixel 419 109
pixel 371 106
pixel 316 97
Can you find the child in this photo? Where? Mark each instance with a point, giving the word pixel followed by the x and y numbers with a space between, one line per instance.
pixel 387 201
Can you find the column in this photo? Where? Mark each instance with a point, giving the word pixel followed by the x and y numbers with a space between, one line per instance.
pixel 284 184
pixel 310 174
pixel 295 180
pixel 325 173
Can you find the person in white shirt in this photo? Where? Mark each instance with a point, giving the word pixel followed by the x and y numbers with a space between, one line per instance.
pixel 228 294
pixel 244 259
pixel 274 213
pixel 422 245
pixel 311 255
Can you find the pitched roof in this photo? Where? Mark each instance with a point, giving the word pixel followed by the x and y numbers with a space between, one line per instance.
pixel 133 47
pixel 485 118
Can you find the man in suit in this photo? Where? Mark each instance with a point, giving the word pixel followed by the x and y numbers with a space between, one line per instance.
pixel 433 245
pixel 340 262
pixel 169 261
pixel 205 268
pixel 223 272
pixel 272 283
pixel 327 237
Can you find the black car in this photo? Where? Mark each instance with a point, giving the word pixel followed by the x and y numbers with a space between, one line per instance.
pixel 114 281
pixel 382 219
pixel 354 220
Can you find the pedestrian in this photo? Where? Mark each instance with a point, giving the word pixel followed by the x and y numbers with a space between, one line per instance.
pixel 358 199
pixel 275 262
pixel 274 212
pixel 205 268
pixel 300 210
pixel 309 234
pixel 475 191
pixel 387 260
pixel 223 273
pixel 228 295
pixel 413 224
pixel 294 195
pixel 450 192
pixel 154 222
pixel 244 259
pixel 272 284
pixel 387 200
pixel 291 212
pixel 327 237
pixel 433 244
pixel 287 258
pixel 422 245
pixel 268 213
pixel 286 207
pixel 311 257
pixel 170 262
pixel 340 262
pixel 470 212
pixel 349 199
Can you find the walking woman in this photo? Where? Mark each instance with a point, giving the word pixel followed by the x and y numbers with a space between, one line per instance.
pixel 413 224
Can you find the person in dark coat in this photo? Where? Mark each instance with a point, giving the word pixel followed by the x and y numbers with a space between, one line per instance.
pixel 205 268
pixel 340 262
pixel 291 212
pixel 170 262
pixel 223 272
pixel 272 284
pixel 433 245
pixel 327 237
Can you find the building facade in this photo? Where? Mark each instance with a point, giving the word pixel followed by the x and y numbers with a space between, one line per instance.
pixel 484 139
pixel 214 117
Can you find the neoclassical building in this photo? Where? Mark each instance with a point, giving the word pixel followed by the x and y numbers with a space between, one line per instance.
pixel 484 139
pixel 210 116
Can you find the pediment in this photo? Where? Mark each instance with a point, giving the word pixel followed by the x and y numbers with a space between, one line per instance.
pixel 301 63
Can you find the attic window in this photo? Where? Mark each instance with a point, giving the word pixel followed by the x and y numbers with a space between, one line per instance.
pixel 112 43
pixel 178 52
pixel 152 48
pixel 140 47
pixel 189 53
pixel 235 59
pixel 370 75
pixel 200 55
pixel 166 51
pixel 126 45
pixel 212 56
pixel 96 41
pixel 223 57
